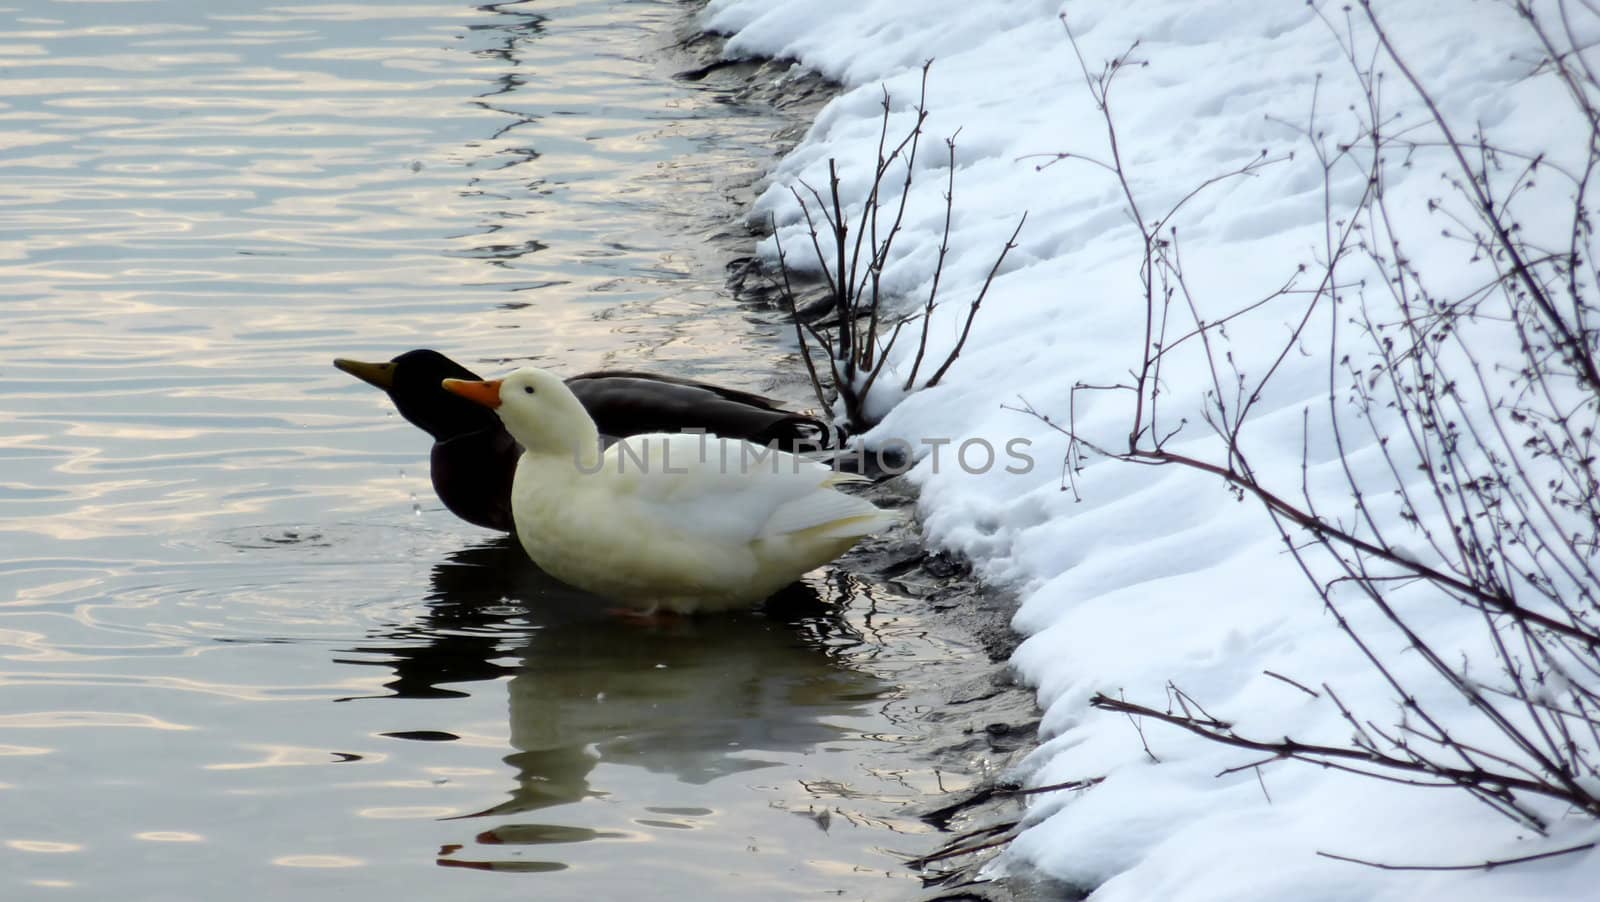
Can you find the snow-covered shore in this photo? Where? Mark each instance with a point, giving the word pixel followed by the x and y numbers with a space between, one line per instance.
pixel 1150 576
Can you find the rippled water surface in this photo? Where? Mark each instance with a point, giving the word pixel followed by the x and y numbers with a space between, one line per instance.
pixel 245 653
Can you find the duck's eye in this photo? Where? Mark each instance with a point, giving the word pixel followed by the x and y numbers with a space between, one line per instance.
pixel 528 389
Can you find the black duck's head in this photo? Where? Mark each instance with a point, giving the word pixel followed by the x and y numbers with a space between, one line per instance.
pixel 413 382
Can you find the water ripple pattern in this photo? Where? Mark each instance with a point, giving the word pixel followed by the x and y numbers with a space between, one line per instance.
pixel 245 653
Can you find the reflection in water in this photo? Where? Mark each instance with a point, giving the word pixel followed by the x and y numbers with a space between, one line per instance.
pixel 697 700
pixel 470 618
pixel 203 204
pixel 692 699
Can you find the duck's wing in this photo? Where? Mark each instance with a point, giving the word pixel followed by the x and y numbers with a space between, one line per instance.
pixel 732 491
pixel 625 403
pixel 826 515
pixel 663 379
pixel 472 475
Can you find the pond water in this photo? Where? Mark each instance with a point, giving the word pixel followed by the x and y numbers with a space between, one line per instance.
pixel 245 652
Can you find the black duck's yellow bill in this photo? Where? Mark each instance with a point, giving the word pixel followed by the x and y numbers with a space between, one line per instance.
pixel 379 375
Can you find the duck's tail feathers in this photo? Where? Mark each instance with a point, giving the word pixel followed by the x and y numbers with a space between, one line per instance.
pixel 797 432
pixel 827 515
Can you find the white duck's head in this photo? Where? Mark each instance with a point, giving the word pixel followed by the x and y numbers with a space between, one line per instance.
pixel 538 409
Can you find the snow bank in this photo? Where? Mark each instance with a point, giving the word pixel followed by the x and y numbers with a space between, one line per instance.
pixel 1146 576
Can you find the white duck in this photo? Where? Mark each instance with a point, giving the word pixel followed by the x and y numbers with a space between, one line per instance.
pixel 681 522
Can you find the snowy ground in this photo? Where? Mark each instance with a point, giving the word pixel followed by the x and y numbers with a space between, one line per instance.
pixel 1147 576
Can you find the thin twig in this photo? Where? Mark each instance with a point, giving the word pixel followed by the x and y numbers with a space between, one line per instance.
pixel 1482 866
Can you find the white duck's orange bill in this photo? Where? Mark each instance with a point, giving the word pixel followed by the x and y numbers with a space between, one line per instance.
pixel 486 392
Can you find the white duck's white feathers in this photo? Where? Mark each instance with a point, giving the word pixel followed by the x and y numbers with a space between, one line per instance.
pixel 685 522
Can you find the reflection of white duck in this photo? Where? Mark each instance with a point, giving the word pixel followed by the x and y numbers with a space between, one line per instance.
pixel 699 700
pixel 682 522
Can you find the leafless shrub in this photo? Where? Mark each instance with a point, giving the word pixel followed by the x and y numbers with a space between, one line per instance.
pixel 858 312
pixel 1481 402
